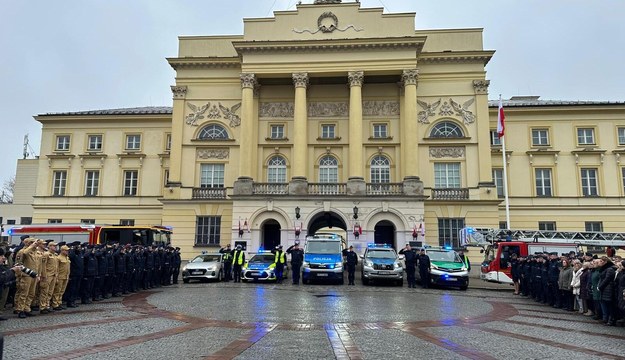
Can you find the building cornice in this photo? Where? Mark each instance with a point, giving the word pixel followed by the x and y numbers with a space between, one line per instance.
pixel 415 42
pixel 204 62
pixel 456 57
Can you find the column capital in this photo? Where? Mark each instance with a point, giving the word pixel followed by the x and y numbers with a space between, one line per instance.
pixel 256 90
pixel 180 92
pixel 248 80
pixel 410 76
pixel 300 79
pixel 481 86
pixel 356 78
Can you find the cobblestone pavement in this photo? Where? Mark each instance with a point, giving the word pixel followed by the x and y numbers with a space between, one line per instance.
pixel 284 321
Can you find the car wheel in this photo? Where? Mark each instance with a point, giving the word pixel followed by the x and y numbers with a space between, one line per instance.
pixel 220 277
pixel 186 281
pixel 305 281
pixel 365 281
pixel 464 288
pixel 399 283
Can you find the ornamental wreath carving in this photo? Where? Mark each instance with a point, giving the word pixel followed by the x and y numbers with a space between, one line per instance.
pixel 223 112
pixel 327 23
pixel 446 152
pixel 448 109
pixel 213 153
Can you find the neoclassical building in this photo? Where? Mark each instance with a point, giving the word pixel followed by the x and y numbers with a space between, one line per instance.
pixel 339 118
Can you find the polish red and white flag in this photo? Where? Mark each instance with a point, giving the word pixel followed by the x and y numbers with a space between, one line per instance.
pixel 501 125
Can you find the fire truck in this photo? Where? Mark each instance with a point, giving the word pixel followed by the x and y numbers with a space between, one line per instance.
pixel 498 245
pixel 94 234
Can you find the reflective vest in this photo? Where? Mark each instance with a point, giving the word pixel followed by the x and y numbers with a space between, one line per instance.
pixel 238 257
pixel 280 258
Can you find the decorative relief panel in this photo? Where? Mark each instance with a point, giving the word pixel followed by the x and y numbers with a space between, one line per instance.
pixel 276 110
pixel 328 109
pixel 447 109
pixel 214 112
pixel 447 152
pixel 423 117
pixel 380 108
pixel 213 153
pixel 462 110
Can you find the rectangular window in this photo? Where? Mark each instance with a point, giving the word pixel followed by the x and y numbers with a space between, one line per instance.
pixel 10 222
pixel 62 143
pixel 498 180
pixel 547 225
pixel 127 222
pixel 448 232
pixel 26 220
pixel 589 182
pixel 494 138
pixel 87 221
pixel 94 143
pixel 446 175
pixel 621 135
pixel 277 131
pixel 55 221
pixel 167 142
pixel 133 142
pixel 131 179
pixel 503 225
pixel 92 182
pixel 543 182
pixel 380 131
pixel 166 179
pixel 208 231
pixel 596 226
pixel 212 175
pixel 540 137
pixel 59 183
pixel 585 136
pixel 327 131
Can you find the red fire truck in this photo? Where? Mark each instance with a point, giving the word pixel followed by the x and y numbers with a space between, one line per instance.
pixel 94 234
pixel 498 245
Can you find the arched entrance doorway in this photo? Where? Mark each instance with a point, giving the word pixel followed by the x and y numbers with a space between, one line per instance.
pixel 384 233
pixel 327 222
pixel 270 234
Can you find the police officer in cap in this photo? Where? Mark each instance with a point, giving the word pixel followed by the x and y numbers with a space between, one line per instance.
pixel 227 259
pixel 280 261
pixel 410 259
pixel 424 269
pixel 297 259
pixel 351 259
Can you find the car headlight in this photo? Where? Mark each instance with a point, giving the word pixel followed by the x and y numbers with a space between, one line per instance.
pixel 368 263
pixel 397 265
pixel 184 268
pixel 306 264
pixel 338 264
pixel 463 269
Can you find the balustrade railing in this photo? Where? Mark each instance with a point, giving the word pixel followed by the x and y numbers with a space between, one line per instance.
pixel 271 189
pixel 450 194
pixel 385 189
pixel 209 193
pixel 327 189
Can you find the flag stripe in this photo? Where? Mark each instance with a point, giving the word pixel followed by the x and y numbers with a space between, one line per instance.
pixel 501 126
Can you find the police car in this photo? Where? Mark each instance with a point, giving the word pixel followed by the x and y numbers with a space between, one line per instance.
pixel 381 263
pixel 204 267
pixel 261 267
pixel 446 268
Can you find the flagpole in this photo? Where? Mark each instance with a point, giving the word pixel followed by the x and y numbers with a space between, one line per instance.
pixel 505 172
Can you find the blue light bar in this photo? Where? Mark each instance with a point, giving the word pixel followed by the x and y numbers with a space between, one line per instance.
pixel 448 247
pixel 10 232
pixel 373 245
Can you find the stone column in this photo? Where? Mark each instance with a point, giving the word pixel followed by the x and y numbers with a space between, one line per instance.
pixel 246 139
pixel 356 165
pixel 483 132
pixel 410 161
pixel 300 126
pixel 177 130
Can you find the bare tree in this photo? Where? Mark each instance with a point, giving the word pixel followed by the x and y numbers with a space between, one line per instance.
pixel 8 188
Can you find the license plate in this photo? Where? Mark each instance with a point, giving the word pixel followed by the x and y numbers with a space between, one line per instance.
pixel 196 272
pixel 322 274
pixel 452 279
pixel 386 272
pixel 254 273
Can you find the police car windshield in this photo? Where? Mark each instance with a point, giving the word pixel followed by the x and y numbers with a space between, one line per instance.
pixel 262 258
pixel 384 254
pixel 449 256
pixel 323 247
pixel 205 258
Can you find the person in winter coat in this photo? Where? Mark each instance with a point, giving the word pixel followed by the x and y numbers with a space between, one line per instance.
pixel 606 287
pixel 576 285
pixel 594 286
pixel 585 292
pixel 564 284
pixel 620 291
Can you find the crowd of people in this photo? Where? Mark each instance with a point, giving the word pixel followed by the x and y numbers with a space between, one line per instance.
pixel 44 276
pixel 591 285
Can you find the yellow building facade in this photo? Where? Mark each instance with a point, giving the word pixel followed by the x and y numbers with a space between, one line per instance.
pixel 339 118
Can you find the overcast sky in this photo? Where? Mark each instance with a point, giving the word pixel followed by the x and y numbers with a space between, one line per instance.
pixel 58 56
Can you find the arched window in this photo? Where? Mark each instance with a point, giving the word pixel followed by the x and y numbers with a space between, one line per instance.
pixel 380 169
pixel 446 129
pixel 276 170
pixel 213 132
pixel 328 169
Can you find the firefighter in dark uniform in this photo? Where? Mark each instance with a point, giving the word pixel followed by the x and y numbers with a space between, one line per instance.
pixel 537 282
pixel 120 271
pixel 227 259
pixel 149 268
pixel 98 286
pixel 177 261
pixel 526 274
pixel 297 259
pixel 410 258
pixel 238 259
pixel 544 273
pixel 75 274
pixel 280 261
pixel 553 274
pixel 351 259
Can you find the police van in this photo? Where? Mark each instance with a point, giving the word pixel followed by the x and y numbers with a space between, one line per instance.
pixel 323 258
